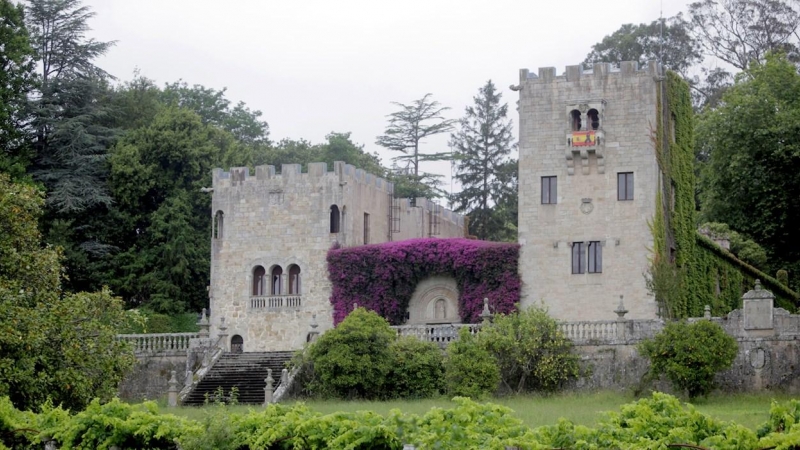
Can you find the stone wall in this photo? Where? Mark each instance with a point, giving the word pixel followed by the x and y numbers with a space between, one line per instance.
pixel 149 377
pixel 586 207
pixel 273 220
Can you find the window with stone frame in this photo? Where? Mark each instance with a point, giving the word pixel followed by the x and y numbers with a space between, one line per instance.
pixel 578 259
pixel 218 224
pixel 259 281
pixel 625 186
pixel 595 257
pixel 335 219
pixel 366 228
pixel 549 190
pixel 276 277
pixel 575 120
pixel 294 279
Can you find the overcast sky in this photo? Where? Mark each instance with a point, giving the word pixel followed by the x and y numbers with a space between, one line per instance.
pixel 313 67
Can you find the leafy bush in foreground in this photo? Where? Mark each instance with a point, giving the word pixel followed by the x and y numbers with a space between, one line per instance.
pixel 469 369
pixel 353 359
pixel 690 354
pixel 657 422
pixel 417 369
pixel 531 351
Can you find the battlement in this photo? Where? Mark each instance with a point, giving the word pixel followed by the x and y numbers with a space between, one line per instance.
pixel 342 172
pixel 598 71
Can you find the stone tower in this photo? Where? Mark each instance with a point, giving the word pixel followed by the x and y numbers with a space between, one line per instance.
pixel 271 234
pixel 588 183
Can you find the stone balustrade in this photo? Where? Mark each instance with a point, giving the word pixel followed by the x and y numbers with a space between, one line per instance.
pixel 276 302
pixel 439 334
pixel 159 342
pixel 589 331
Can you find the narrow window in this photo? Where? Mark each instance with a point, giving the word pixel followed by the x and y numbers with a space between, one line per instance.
pixel 334 219
pixel 259 281
pixel 575 120
pixel 578 263
pixel 276 285
pixel 294 280
pixel 625 186
pixel 549 190
pixel 595 257
pixel 440 309
pixel 218 222
pixel 594 119
pixel 366 228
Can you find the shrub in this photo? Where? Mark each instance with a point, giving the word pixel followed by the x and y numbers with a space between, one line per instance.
pixel 690 355
pixel 531 352
pixel 783 277
pixel 417 369
pixel 470 370
pixel 353 359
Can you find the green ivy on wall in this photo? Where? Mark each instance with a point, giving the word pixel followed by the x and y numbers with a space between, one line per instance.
pixel 704 273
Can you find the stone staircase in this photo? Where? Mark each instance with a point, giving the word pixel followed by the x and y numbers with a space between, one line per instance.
pixel 245 371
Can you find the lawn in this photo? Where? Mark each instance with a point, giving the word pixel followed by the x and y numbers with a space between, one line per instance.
pixel 750 410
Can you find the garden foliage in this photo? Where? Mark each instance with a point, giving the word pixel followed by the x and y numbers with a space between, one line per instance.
pixel 417 369
pixel 470 370
pixel 530 350
pixel 690 355
pixel 354 359
pixel 382 277
pixel 657 422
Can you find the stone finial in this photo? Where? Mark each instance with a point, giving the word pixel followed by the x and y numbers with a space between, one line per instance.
pixel 486 315
pixel 203 324
pixel 268 389
pixel 355 306
pixel 621 310
pixel 284 376
pixel 172 391
pixel 758 292
pixel 312 332
pixel 707 312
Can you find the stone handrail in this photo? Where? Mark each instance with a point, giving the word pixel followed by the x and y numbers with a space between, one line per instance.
pixel 276 302
pixel 158 342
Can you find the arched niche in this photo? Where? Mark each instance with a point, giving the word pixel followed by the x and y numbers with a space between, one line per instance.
pixel 435 300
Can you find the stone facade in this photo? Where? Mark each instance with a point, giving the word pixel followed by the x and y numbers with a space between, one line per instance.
pixel 271 236
pixel 578 133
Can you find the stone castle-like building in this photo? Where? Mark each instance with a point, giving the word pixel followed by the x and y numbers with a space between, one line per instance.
pixel 271 236
pixel 588 182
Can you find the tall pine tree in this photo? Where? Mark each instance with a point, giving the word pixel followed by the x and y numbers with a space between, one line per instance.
pixel 482 144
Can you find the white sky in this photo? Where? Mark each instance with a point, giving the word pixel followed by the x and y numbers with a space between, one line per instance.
pixel 313 67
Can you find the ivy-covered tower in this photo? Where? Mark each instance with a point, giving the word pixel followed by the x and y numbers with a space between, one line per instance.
pixel 591 187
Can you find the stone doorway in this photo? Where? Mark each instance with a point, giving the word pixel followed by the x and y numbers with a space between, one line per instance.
pixel 237 344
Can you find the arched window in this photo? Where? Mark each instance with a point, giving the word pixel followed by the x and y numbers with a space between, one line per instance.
pixel 335 219
pixel 277 281
pixel 294 279
pixel 218 221
pixel 259 281
pixel 594 119
pixel 575 120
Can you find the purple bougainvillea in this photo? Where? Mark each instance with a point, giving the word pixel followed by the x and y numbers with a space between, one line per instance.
pixel 382 277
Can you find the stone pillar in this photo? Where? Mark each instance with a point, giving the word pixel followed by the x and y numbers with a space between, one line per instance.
pixel 284 284
pixel 172 392
pixel 486 315
pixel 268 389
pixel 757 305
pixel 223 335
pixel 284 377
pixel 622 326
pixel 203 324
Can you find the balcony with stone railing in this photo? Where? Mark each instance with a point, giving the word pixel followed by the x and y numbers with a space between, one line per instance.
pixel 276 302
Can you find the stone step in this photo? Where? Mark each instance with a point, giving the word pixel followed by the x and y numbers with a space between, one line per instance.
pixel 245 371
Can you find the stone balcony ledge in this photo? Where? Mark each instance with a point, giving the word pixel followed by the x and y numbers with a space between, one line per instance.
pixel 276 302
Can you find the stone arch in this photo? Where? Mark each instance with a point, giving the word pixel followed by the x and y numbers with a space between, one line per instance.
pixel 435 300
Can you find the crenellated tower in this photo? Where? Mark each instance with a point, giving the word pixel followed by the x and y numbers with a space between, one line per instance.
pixel 588 184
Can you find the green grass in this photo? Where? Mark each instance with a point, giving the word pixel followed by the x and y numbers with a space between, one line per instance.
pixel 750 410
